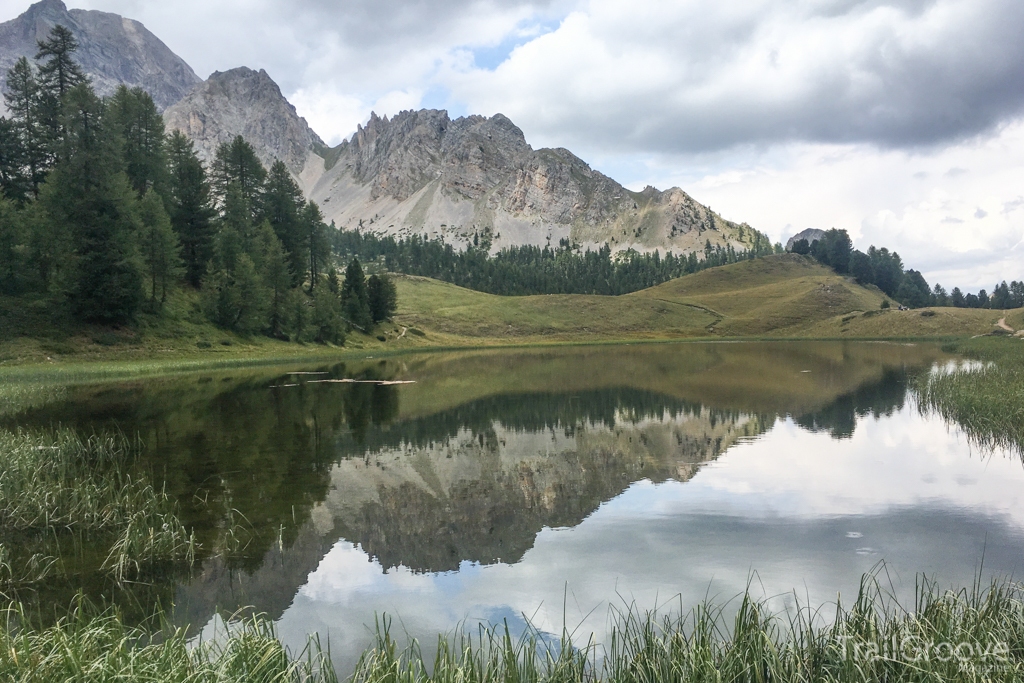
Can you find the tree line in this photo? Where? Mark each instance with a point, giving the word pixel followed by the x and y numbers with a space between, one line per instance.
pixel 884 269
pixel 103 212
pixel 525 270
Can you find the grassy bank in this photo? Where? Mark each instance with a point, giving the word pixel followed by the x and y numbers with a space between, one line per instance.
pixel 987 402
pixel 967 635
pixel 782 297
pixel 72 507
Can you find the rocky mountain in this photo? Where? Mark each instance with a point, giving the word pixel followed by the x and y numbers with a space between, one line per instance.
pixel 112 50
pixel 248 103
pixel 423 172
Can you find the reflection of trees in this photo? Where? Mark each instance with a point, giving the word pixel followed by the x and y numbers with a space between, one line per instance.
pixel 881 398
pixel 533 412
pixel 245 462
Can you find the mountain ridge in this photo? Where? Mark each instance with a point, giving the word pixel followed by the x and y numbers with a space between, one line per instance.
pixel 475 177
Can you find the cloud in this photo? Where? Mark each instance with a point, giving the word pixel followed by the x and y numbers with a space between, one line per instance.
pixel 879 196
pixel 698 76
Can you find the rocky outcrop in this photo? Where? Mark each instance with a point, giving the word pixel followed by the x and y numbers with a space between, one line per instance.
pixel 477 178
pixel 812 235
pixel 247 103
pixel 112 50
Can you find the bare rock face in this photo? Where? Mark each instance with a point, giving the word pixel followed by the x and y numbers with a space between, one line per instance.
pixel 812 235
pixel 247 103
pixel 112 50
pixel 477 178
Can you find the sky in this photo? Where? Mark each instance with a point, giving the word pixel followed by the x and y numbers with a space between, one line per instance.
pixel 901 121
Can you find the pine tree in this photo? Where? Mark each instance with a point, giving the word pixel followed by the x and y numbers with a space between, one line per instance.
pixel 189 207
pixel 159 246
pixel 327 317
pixel 277 280
pixel 317 247
pixel 87 192
pixel 236 223
pixel 236 164
pixel 141 128
pixel 251 315
pixel 58 76
pixel 282 206
pixel 354 297
pixel 23 101
pixel 236 301
pixel 382 297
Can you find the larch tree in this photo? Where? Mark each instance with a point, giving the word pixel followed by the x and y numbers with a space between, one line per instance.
pixel 282 206
pixel 236 164
pixel 355 300
pixel 141 129
pixel 160 248
pixel 87 192
pixel 23 102
pixel 190 207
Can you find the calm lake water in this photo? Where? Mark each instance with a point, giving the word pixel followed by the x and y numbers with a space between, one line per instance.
pixel 554 485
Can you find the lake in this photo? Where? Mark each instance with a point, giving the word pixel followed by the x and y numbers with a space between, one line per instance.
pixel 549 487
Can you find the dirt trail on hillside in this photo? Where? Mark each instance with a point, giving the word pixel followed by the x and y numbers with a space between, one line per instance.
pixel 1002 324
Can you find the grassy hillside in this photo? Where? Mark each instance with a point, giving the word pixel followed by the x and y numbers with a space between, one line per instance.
pixel 775 296
pixel 785 296
pixel 452 312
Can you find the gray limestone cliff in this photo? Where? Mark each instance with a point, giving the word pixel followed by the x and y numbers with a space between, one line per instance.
pixel 112 50
pixel 247 103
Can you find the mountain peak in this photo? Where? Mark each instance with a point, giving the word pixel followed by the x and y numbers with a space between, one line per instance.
pixel 242 101
pixel 111 50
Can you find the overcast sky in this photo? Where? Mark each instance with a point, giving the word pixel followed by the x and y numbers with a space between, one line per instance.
pixel 899 120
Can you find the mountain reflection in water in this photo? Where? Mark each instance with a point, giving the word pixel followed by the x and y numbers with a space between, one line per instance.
pixel 485 454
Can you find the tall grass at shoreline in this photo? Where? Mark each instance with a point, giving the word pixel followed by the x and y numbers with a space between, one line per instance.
pixel 975 635
pixel 59 490
pixel 101 648
pixel 968 635
pixel 987 402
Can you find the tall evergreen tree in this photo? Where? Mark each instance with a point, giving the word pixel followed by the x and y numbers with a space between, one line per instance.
pixel 87 192
pixel 326 318
pixel 189 207
pixel 317 246
pixel 236 218
pixel 382 297
pixel 58 76
pixel 30 139
pixel 282 205
pixel 159 246
pixel 355 300
pixel 236 164
pixel 141 128
pixel 60 73
pixel 277 279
